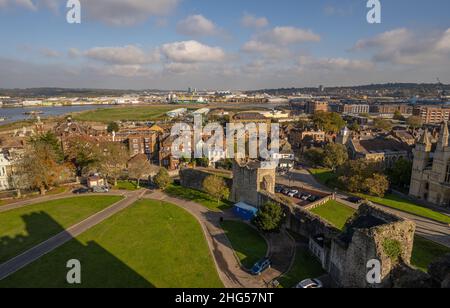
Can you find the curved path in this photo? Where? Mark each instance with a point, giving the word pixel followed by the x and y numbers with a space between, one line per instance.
pixel 281 246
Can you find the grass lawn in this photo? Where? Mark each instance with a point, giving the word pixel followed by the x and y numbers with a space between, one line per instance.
pixel 23 228
pixel 335 213
pixel 249 245
pixel 326 177
pixel 126 185
pixel 305 266
pixel 136 113
pixel 197 196
pixel 150 244
pixel 425 252
pixel 401 204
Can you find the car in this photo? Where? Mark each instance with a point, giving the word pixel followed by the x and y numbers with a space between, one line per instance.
pixel 100 189
pixel 298 195
pixel 285 191
pixel 278 189
pixel 355 200
pixel 313 199
pixel 292 193
pixel 310 284
pixel 261 266
pixel 306 197
pixel 80 191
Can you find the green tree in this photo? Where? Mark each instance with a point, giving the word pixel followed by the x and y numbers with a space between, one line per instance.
pixel 113 127
pixel 216 187
pixel 334 155
pixel 376 185
pixel 414 122
pixel 84 153
pixel 399 116
pixel 269 218
pixel 329 121
pixel 202 162
pixel 382 124
pixel 354 127
pixel 50 139
pixel 314 156
pixel 400 174
pixel 162 179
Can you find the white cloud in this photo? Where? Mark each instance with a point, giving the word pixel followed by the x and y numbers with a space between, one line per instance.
pixel 197 25
pixel 192 52
pixel 334 64
pixel 251 21
pixel 268 50
pixel 289 35
pixel 126 55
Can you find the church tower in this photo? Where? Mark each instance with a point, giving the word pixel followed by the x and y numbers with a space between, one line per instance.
pixel 422 156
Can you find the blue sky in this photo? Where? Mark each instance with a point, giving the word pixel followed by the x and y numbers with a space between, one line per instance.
pixel 233 44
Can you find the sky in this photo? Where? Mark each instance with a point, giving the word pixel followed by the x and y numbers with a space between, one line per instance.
pixel 218 44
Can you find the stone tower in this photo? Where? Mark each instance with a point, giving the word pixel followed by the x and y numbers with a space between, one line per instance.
pixel 343 136
pixel 250 178
pixel 422 156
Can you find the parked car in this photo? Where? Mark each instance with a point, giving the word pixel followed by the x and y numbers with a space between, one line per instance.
pixel 355 200
pixel 261 266
pixel 313 199
pixel 292 193
pixel 100 189
pixel 286 191
pixel 298 195
pixel 278 189
pixel 310 284
pixel 306 197
pixel 80 191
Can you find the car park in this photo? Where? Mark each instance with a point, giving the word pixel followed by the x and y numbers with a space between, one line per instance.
pixel 292 193
pixel 310 284
pixel 261 266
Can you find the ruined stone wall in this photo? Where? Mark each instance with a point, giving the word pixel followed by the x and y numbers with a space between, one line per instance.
pixel 193 178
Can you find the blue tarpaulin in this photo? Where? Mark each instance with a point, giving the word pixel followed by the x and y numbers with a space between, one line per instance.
pixel 245 211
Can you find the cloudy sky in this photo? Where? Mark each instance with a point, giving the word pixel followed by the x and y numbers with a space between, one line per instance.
pixel 218 44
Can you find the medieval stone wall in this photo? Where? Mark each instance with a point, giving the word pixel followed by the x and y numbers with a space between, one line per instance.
pixel 193 178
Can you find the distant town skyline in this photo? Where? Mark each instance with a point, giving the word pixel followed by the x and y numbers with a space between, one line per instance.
pixel 236 45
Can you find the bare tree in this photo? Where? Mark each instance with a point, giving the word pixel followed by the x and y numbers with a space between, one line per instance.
pixel 113 160
pixel 138 167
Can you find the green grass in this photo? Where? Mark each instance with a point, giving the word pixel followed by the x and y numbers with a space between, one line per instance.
pixel 136 113
pixel 198 197
pixel 249 245
pixel 305 266
pixel 150 244
pixel 126 185
pixel 28 226
pixel 335 213
pixel 326 177
pixel 425 252
pixel 403 205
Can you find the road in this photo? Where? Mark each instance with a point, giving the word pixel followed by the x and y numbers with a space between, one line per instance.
pixel 427 228
pixel 10 267
pixel 281 246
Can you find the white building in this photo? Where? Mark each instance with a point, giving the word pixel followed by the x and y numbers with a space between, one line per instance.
pixel 4 176
pixel 202 111
pixel 177 112
pixel 31 103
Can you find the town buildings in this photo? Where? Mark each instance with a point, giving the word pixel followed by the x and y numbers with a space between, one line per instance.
pixel 432 114
pixel 313 107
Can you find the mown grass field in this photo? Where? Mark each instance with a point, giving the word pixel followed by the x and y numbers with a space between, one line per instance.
pixel 135 113
pixel 150 244
pixel 197 196
pixel 335 213
pixel 249 246
pixel 23 228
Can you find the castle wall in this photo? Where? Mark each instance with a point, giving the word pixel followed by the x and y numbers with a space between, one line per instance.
pixel 193 178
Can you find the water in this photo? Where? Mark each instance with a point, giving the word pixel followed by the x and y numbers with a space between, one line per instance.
pixel 18 114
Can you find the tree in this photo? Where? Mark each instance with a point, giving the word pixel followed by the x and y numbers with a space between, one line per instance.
pixel 334 155
pixel 314 156
pixel 216 187
pixel 113 160
pixel 39 167
pixel 354 127
pixel 414 122
pixel 138 167
pixel 269 218
pixel 202 162
pixel 83 152
pixel 113 127
pixel 382 124
pixel 399 116
pixel 400 174
pixel 51 140
pixel 377 185
pixel 162 179
pixel 329 121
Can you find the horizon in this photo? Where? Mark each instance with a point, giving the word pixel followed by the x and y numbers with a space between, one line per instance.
pixel 175 44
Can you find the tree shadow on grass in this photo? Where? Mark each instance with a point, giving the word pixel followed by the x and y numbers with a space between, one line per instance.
pixel 99 268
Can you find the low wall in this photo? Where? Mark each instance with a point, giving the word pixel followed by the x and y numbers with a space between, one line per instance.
pixel 193 178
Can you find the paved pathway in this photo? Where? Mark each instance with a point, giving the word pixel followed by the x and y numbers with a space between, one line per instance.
pixel 427 228
pixel 10 267
pixel 281 247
